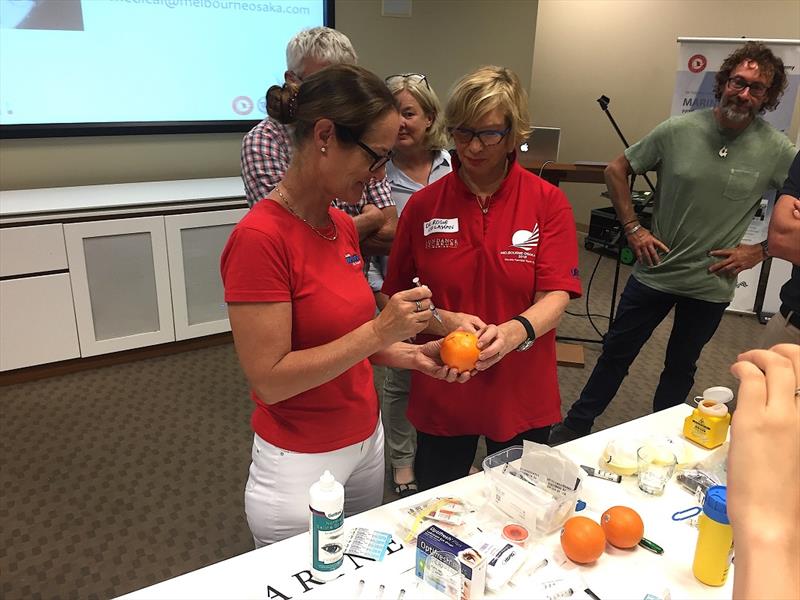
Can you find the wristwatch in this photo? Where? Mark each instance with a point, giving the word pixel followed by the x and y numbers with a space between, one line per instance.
pixel 765 249
pixel 528 342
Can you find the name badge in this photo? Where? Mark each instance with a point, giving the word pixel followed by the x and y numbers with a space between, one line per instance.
pixel 440 226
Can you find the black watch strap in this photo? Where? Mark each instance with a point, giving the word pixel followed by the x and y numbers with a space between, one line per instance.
pixel 528 329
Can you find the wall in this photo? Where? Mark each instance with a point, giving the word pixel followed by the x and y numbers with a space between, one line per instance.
pixel 444 38
pixel 627 50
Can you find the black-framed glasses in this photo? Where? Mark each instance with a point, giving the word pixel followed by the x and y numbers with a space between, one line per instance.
pixel 488 137
pixel 415 77
pixel 378 160
pixel 739 84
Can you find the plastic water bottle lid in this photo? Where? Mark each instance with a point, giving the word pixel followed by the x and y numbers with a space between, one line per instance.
pixel 716 504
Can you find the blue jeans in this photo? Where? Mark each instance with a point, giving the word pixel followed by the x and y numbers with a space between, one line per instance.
pixel 640 311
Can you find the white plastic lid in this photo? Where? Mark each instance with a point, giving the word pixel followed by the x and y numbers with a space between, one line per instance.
pixel 718 394
pixel 327 480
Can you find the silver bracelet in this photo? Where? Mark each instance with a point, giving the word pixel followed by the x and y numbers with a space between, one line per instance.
pixel 634 230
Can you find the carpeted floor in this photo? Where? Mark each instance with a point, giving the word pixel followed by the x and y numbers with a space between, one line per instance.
pixel 120 477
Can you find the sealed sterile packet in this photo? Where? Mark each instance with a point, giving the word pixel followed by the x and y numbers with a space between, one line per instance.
pixel 450 512
pixel 551 469
pixel 535 485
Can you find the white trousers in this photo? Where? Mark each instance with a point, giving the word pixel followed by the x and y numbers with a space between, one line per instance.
pixel 276 494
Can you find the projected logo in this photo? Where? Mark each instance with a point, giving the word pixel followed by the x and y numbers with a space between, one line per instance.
pixel 697 63
pixel 262 105
pixel 242 105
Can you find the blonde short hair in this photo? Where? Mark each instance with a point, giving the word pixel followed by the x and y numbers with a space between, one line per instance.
pixel 484 90
pixel 436 136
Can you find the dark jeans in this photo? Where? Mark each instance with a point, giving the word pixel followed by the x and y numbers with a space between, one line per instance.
pixel 441 459
pixel 641 309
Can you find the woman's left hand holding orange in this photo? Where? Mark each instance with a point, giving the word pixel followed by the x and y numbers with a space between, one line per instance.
pixel 494 342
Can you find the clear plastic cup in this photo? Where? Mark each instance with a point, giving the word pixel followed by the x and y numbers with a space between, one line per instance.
pixel 656 465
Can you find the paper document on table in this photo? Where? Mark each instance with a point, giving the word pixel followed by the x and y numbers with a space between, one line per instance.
pixel 550 469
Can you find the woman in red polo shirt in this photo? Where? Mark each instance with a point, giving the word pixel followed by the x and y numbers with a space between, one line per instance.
pixel 302 313
pixel 497 247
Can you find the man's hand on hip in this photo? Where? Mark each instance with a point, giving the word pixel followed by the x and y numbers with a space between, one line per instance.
pixel 646 246
pixel 735 260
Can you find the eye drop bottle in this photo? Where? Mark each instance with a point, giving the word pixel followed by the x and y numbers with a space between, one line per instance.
pixel 714 550
pixel 326 527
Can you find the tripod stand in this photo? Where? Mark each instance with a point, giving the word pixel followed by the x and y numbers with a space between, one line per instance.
pixel 616 234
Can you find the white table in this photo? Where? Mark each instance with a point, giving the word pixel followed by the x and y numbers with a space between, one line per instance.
pixel 281 570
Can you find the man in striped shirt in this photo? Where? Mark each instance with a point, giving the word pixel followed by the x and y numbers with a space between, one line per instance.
pixel 267 148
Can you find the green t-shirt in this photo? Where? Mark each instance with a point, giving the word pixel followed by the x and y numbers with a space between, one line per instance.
pixel 705 202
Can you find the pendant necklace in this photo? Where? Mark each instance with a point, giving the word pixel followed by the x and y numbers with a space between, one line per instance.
pixel 484 207
pixel 330 238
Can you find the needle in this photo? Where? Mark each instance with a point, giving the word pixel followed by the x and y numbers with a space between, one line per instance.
pixel 435 312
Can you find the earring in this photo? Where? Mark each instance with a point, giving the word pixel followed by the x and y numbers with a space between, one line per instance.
pixel 323 149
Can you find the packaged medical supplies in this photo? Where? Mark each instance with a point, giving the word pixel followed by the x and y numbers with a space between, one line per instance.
pixel 535 485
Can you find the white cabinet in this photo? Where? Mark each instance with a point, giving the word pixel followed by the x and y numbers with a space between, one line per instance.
pixel 194 244
pixel 120 283
pixel 34 249
pixel 140 268
pixel 37 323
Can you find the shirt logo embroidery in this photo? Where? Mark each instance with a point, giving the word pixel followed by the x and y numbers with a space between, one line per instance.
pixel 440 226
pixel 524 239
pixel 352 259
pixel 524 245
pixel 441 242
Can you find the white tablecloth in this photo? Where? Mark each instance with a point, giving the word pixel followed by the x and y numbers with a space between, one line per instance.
pixel 281 570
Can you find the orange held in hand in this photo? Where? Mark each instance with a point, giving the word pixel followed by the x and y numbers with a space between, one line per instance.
pixel 583 540
pixel 623 526
pixel 460 350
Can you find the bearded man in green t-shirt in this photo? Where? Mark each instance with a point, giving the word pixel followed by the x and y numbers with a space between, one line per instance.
pixel 713 167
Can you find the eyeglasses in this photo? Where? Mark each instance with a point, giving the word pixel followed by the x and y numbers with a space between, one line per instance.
pixel 378 160
pixel 488 137
pixel 415 77
pixel 739 84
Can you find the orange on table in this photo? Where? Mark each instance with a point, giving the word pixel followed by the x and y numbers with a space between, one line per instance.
pixel 623 526
pixel 583 540
pixel 460 350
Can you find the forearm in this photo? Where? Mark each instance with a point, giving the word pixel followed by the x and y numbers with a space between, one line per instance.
pixel 379 243
pixel 301 370
pixel 766 570
pixel 545 314
pixel 784 231
pixel 616 176
pixel 368 222
pixel 400 355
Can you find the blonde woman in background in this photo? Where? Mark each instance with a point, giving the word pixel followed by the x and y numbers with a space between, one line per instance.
pixel 418 159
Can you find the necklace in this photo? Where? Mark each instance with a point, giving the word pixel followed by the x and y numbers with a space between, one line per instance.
pixel 330 238
pixel 484 207
pixel 471 186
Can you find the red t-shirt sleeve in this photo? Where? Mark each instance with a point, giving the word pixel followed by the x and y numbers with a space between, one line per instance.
pixel 401 269
pixel 557 259
pixel 255 268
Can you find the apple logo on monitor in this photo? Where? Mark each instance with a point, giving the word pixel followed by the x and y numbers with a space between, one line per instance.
pixel 523 147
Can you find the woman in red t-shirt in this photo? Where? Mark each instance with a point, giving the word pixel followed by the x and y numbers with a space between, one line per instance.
pixel 302 314
pixel 498 248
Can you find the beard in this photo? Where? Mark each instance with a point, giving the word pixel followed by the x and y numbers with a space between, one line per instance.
pixel 736 111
